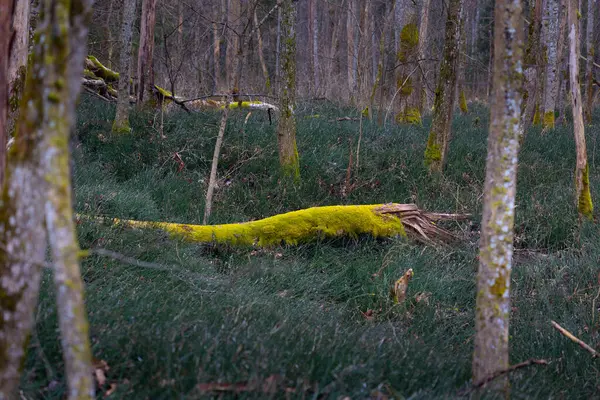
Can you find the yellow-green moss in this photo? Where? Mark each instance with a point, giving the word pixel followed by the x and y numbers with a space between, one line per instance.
pixel 290 167
pixel 101 71
pixel 549 120
pixel 536 116
pixel 241 104
pixel 433 152
pixel 290 228
pixel 365 112
pixel 462 101
pixel 584 203
pixel 122 127
pixel 404 84
pixel 89 74
pixel 410 116
pixel 409 39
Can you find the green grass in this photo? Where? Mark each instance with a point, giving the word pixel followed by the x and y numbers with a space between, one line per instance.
pixel 237 314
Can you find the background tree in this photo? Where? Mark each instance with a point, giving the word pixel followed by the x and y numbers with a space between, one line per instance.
pixel 121 122
pixel 590 44
pixel 286 128
pixel 439 134
pixel 582 180
pixel 496 242
pixel 550 44
pixel 145 66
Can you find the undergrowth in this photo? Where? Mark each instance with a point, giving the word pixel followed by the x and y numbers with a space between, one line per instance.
pixel 315 315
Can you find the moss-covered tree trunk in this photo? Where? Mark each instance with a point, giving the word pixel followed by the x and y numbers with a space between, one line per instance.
pixel 121 122
pixel 496 243
pixel 145 66
pixel 6 13
pixel 37 195
pixel 590 45
pixel 407 57
pixel 439 135
pixel 550 43
pixel 17 65
pixel 582 180
pixel 286 128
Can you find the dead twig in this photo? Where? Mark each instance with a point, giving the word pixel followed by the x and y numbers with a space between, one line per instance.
pixel 580 342
pixel 508 370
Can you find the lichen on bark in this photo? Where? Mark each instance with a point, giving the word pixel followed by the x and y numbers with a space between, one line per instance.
pixel 496 243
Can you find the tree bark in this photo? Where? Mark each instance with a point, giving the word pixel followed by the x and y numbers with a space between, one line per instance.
pixel 233 41
pixel 217 70
pixel 121 122
pixel 439 135
pixel 533 66
pixel 582 181
pixel 313 33
pixel 145 67
pixel 261 54
pixel 17 65
pixel 420 77
pixel 496 243
pixel 352 48
pixel 37 195
pixel 550 42
pixel 589 74
pixel 6 15
pixel 286 128
pixel 563 74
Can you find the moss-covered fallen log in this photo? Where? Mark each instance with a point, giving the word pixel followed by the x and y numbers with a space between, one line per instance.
pixel 378 220
pixel 103 81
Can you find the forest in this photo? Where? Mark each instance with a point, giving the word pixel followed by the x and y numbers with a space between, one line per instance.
pixel 299 199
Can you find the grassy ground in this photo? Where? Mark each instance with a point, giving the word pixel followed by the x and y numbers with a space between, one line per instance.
pixel 297 314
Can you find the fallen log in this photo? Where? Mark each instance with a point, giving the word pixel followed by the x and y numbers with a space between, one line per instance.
pixel 104 81
pixel 377 220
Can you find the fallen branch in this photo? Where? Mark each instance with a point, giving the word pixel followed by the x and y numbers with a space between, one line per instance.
pixel 575 339
pixel 378 220
pixel 505 371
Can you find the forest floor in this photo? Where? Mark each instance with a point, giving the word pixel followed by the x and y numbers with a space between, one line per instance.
pixel 311 321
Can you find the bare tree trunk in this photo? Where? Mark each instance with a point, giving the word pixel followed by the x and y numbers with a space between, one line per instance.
pixel 439 135
pixel 496 243
pixel 17 65
pixel 589 75
pixel 563 75
pixel 261 55
pixel 582 180
pixel 533 66
pixel 121 122
pixel 550 41
pixel 233 40
pixel 217 71
pixel 352 49
pixel 334 62
pixel 420 77
pixel 286 128
pixel 462 65
pixel 108 34
pixel 6 15
pixel 313 31
pixel 37 194
pixel 278 50
pixel 145 67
